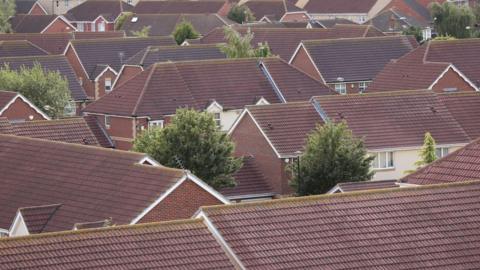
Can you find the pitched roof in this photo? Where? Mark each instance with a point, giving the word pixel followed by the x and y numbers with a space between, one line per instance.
pixel 112 51
pixel 36 218
pixel 155 54
pixel 417 228
pixel 178 6
pixel 57 63
pixel 329 23
pixel 24 6
pixel 77 130
pixel 55 43
pixel 26 23
pixel 186 244
pixel 6 97
pixel 461 165
pixel 364 185
pixel 339 6
pixel 356 59
pixel 19 48
pixel 164 87
pixel 284 41
pixel 91 9
pixel 251 182
pixel 164 24
pixel 91 183
pixel 465 108
pixel 273 9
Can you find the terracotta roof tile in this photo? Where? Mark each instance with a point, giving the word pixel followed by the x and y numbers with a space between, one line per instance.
pixel 24 23
pixel 91 9
pixel 171 245
pixel 274 9
pixel 284 41
pixel 465 108
pixel 6 97
pixel 91 183
pixel 179 6
pixel 24 6
pixel 10 48
pixel 36 218
pixel 339 6
pixel 367 185
pixel 418 228
pixel 356 59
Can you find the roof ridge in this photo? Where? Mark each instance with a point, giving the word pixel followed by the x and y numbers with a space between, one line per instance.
pixel 351 38
pixel 34 56
pixel 379 93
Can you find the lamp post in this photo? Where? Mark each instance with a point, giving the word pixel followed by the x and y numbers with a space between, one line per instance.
pixel 299 181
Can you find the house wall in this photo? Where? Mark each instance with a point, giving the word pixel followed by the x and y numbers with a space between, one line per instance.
pixel 58 26
pixel 21 111
pixel 121 130
pixel 303 62
pixel 352 87
pixel 451 79
pixel 128 72
pixel 182 203
pixel 227 118
pixel 357 18
pixel 20 228
pixel 250 142
pixel 295 17
pixel 100 83
pixel 82 77
pixel 37 10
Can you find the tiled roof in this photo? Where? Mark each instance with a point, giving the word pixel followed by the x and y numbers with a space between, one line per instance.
pixel 366 185
pixel 329 23
pixel 55 43
pixel 113 51
pixel 179 6
pixel 50 63
pixel 170 245
pixel 36 218
pixel 356 59
pixel 339 6
pixel 155 54
pixel 465 108
pixel 274 9
pixel 69 130
pixel 395 119
pixel 91 183
pixel 286 125
pixel 251 183
pixel 24 23
pixel 164 87
pixel 24 6
pixel 6 97
pixel 284 41
pixel 164 24
pixel 91 9
pixel 19 48
pixel 409 228
pixel 461 165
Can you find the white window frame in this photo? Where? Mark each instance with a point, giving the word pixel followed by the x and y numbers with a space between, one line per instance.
pixel 443 151
pixel 341 88
pixel 108 122
pixel 80 27
pixel 65 2
pixel 108 83
pixel 362 86
pixel 70 109
pixel 101 26
pixel 389 160
pixel 217 116
pixel 156 123
pixel 92 26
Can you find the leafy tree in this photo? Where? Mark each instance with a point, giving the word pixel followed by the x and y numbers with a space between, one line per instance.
pixel 144 32
pixel 239 46
pixel 451 20
pixel 332 155
pixel 194 142
pixel 183 31
pixel 48 90
pixel 427 154
pixel 241 14
pixel 121 19
pixel 414 31
pixel 7 10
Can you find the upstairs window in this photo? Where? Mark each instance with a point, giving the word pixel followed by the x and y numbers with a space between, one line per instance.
pixel 80 27
pixel 362 86
pixel 107 122
pixel 101 27
pixel 218 120
pixel 108 85
pixel 341 88
pixel 383 160
pixel 156 123
pixel 70 109
pixel 441 152
pixel 66 3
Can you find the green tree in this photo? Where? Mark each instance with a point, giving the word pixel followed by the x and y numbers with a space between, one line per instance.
pixel 183 31
pixel 241 14
pixel 332 155
pixel 121 19
pixel 414 31
pixel 238 46
pixel 7 10
pixel 427 154
pixel 450 20
pixel 192 141
pixel 144 32
pixel 48 90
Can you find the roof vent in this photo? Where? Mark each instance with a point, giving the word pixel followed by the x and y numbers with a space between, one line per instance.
pixel 270 126
pixel 134 19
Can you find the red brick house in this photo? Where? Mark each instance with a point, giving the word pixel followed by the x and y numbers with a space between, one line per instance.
pixel 349 65
pixel 441 66
pixel 92 184
pixel 96 62
pixel 15 107
pixel 24 23
pixel 152 96
pixel 97 15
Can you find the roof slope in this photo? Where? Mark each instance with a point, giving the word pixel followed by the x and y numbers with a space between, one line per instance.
pixel 284 41
pixel 24 6
pixel 339 6
pixel 36 218
pixel 91 9
pixel 465 108
pixel 6 97
pixel 10 48
pixel 57 63
pixel 91 183
pixel 366 185
pixel 113 51
pixel 461 165
pixel 155 54
pixel 26 23
pixel 164 87
pixel 273 9
pixel 186 244
pixel 164 24
pixel 356 59
pixel 179 6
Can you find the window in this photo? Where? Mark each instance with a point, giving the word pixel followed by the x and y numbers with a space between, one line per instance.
pixel 441 152
pixel 218 119
pixel 156 123
pixel 383 160
pixel 93 26
pixel 341 88
pixel 70 109
pixel 130 2
pixel 80 27
pixel 427 33
pixel 362 86
pixel 101 27
pixel 65 3
pixel 107 122
pixel 108 85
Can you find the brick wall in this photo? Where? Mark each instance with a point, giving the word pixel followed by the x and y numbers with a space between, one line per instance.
pixel 100 83
pixel 19 110
pixel 182 203
pixel 58 26
pixel 37 10
pixel 451 79
pixel 87 84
